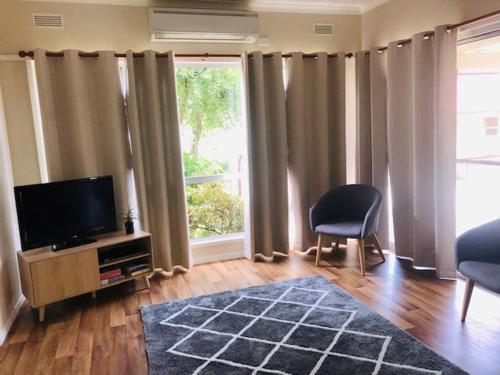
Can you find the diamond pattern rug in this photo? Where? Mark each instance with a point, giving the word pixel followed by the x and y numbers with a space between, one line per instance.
pixel 302 326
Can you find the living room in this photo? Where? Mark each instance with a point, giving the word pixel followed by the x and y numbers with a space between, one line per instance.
pixel 214 186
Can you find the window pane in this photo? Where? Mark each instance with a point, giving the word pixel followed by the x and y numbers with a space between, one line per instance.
pixel 212 139
pixel 478 148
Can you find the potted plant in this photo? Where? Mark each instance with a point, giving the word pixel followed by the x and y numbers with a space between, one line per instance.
pixel 128 220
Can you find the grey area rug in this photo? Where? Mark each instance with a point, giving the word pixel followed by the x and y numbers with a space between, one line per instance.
pixel 302 326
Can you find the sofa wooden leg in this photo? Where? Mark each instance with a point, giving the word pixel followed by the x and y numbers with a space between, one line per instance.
pixel 469 285
pixel 320 246
pixel 377 245
pixel 361 250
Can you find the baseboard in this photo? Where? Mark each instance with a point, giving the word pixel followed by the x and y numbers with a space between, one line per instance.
pixel 4 331
pixel 218 257
pixel 219 248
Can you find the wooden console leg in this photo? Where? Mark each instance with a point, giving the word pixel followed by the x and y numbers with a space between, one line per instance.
pixel 41 313
pixel 146 281
pixel 93 294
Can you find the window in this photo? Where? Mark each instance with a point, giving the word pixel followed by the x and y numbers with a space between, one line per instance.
pixel 213 144
pixel 478 143
pixel 490 125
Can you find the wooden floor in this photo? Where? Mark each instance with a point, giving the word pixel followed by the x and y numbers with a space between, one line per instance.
pixel 104 336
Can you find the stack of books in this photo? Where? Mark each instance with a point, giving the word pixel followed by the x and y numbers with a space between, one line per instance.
pixel 136 269
pixel 111 276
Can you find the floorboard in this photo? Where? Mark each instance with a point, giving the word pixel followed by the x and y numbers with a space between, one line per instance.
pixel 104 336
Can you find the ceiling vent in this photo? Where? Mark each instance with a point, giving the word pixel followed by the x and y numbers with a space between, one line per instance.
pixel 203 25
pixel 48 21
pixel 322 29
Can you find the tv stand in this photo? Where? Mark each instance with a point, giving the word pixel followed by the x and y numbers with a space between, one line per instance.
pixel 49 276
pixel 78 241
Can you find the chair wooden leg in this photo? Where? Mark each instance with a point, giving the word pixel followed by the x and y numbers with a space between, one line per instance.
pixel 337 243
pixel 469 285
pixel 361 250
pixel 377 245
pixel 320 246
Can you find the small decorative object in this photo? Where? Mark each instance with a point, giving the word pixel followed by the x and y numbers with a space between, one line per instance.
pixel 128 220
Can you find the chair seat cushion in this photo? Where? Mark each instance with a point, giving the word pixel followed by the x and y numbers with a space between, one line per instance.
pixel 342 228
pixel 485 274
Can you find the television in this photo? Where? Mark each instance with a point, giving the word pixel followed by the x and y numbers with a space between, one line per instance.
pixel 66 213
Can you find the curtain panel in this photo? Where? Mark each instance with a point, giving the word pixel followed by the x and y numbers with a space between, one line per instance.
pixel 315 111
pixel 445 119
pixel 420 94
pixel 157 158
pixel 371 130
pixel 84 120
pixel 267 154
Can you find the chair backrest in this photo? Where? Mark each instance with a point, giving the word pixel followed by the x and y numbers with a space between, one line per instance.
pixel 354 201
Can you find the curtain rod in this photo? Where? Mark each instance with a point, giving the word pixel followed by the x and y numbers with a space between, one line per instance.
pixel 449 28
pixel 31 54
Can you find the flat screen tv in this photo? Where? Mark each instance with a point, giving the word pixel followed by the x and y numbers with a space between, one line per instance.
pixel 64 214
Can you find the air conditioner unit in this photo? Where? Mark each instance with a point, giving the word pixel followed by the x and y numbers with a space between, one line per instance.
pixel 203 25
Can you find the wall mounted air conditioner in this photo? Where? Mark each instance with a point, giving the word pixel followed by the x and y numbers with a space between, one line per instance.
pixel 203 25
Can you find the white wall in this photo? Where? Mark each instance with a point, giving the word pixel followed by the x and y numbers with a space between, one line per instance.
pixel 9 280
pixel 19 122
pixel 95 27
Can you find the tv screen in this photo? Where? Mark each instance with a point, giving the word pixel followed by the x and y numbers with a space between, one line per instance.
pixel 60 212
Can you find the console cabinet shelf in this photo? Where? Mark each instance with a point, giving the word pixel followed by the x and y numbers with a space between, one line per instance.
pixel 124 260
pixel 48 276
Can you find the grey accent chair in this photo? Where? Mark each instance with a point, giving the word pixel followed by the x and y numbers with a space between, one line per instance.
pixel 478 259
pixel 349 211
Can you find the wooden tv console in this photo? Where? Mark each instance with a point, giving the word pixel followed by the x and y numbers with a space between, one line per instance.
pixel 48 276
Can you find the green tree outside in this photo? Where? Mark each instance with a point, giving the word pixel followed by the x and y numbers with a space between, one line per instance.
pixel 209 100
pixel 213 211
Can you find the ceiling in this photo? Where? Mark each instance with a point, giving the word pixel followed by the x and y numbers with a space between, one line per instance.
pixel 292 6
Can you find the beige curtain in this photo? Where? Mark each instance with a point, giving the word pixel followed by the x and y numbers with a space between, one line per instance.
pixel 371 132
pixel 363 119
pixel 83 119
pixel 267 153
pixel 445 118
pixel 315 109
pixel 157 157
pixel 421 104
